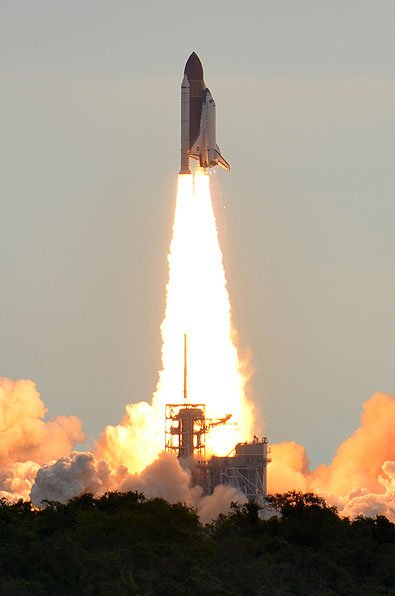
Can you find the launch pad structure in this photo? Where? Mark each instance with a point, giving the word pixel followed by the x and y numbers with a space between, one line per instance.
pixel 244 468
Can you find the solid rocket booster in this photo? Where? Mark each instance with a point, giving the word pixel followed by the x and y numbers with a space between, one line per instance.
pixel 185 109
pixel 198 120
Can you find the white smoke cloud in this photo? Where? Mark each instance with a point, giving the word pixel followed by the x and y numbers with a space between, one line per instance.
pixel 165 478
pixel 83 473
pixel 353 481
pixel 27 440
pixel 74 475
pixel 211 506
pixel 362 502
pixel 24 434
pixel 17 479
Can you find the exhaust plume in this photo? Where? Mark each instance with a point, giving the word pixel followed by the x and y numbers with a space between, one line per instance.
pixel 197 303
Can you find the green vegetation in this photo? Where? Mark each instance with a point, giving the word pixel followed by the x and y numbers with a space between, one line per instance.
pixel 124 544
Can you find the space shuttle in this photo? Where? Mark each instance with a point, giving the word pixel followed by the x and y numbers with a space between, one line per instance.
pixel 198 120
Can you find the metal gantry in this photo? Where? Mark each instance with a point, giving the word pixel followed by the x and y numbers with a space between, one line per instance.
pixel 185 434
pixel 244 469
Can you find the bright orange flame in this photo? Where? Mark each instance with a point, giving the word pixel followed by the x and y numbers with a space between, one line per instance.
pixel 198 304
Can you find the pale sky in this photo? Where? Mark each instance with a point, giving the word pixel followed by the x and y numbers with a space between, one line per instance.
pixel 89 120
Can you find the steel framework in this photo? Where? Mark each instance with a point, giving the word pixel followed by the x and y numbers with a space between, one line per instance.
pixel 244 470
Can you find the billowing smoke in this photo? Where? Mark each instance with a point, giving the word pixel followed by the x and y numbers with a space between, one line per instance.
pixel 37 461
pixel 289 467
pixel 361 477
pixel 25 435
pixel 17 479
pixel 359 459
pixel 74 475
pixel 82 473
pixel 219 502
pixel 135 442
pixel 27 440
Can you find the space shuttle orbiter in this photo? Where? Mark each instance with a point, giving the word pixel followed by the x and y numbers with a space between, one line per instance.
pixel 198 120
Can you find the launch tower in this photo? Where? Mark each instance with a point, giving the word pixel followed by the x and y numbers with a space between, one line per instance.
pixel 186 429
pixel 187 425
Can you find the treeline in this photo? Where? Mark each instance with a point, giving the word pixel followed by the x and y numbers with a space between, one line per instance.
pixel 123 544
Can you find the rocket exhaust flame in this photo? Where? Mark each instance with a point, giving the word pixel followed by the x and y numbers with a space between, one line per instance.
pixel 198 305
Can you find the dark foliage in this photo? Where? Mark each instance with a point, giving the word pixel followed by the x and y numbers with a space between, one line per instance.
pixel 124 544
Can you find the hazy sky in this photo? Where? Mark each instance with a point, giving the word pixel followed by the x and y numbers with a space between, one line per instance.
pixel 89 109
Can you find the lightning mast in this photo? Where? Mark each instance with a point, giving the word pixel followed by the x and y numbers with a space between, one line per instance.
pixel 185 368
pixel 186 423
